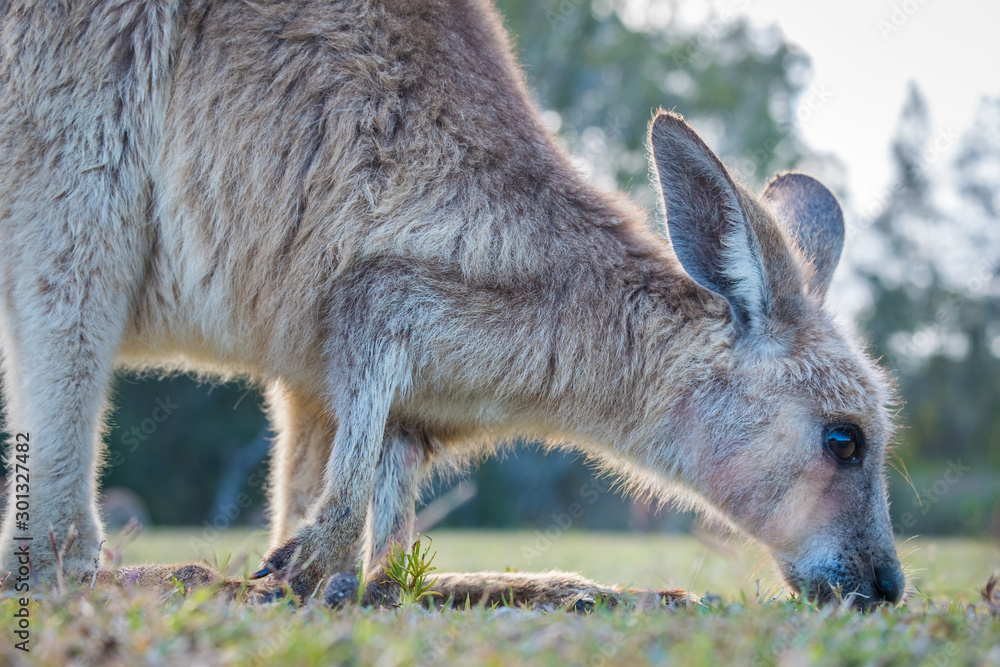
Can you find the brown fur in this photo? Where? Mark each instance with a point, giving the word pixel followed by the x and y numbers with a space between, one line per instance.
pixel 187 576
pixel 479 589
pixel 544 589
pixel 356 205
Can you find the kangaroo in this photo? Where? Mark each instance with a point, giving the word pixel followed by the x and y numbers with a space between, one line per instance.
pixel 355 205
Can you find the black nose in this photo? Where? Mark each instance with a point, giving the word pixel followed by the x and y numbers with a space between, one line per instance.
pixel 889 583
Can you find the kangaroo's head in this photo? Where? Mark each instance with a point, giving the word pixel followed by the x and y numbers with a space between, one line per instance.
pixel 786 430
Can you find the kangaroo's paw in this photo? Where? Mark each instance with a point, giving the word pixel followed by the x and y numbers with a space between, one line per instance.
pixel 51 559
pixel 299 563
pixel 341 590
pixel 381 592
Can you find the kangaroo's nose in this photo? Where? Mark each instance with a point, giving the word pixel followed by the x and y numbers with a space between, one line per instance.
pixel 889 583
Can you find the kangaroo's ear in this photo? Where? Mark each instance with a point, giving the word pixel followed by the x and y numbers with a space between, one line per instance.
pixel 813 216
pixel 708 226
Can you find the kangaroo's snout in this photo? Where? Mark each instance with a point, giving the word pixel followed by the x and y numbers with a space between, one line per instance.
pixel 848 577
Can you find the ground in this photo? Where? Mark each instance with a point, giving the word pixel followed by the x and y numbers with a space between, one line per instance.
pixel 746 618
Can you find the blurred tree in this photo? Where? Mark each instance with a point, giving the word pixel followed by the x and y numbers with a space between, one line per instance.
pixel 934 315
pixel 935 307
pixel 600 82
pixel 172 440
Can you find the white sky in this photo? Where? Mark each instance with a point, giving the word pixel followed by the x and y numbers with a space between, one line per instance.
pixel 950 48
pixel 864 54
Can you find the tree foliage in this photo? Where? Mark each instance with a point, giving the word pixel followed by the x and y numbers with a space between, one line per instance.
pixel 935 299
pixel 601 81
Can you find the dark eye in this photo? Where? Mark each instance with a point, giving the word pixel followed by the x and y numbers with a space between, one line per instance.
pixel 845 442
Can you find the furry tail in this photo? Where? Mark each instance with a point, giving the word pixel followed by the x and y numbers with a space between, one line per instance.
pixel 545 590
pixel 532 590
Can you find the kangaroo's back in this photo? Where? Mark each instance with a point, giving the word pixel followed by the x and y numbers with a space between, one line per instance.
pixel 244 161
pixel 301 140
pixel 368 127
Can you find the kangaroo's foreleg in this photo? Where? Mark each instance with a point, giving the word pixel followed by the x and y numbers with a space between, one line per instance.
pixel 335 524
pixel 392 511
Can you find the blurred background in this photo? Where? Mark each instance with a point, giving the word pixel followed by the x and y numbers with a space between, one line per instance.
pixel 895 105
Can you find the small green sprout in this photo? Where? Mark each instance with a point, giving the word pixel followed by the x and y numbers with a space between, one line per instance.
pixel 410 570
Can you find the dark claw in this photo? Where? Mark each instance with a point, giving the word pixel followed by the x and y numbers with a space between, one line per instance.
pixel 277 561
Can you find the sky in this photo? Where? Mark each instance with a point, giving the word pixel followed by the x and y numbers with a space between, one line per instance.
pixel 865 53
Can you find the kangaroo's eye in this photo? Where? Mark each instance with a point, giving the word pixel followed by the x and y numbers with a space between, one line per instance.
pixel 845 442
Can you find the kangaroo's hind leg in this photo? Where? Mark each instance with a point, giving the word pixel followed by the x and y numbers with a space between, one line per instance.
pixel 71 266
pixel 77 134
pixel 305 430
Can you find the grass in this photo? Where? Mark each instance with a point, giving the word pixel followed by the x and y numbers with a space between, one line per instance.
pixel 945 620
pixel 411 569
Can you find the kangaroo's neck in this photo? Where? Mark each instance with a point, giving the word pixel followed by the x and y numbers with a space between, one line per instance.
pixel 630 335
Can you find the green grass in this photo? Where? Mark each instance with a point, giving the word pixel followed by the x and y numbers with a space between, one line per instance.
pixel 943 623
